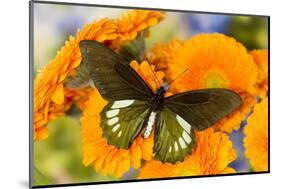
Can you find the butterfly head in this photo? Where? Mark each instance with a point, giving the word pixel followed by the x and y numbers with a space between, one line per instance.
pixel 165 86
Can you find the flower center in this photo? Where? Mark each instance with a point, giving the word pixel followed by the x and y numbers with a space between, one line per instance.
pixel 215 79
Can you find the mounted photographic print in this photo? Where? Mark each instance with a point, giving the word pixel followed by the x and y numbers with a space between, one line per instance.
pixel 122 94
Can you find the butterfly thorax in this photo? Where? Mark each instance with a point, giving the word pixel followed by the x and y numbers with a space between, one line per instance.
pixel 157 101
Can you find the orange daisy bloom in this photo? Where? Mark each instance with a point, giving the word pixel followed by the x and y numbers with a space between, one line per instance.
pixel 49 83
pixel 212 155
pixel 213 61
pixel 256 137
pixel 161 54
pixel 135 21
pixel 79 96
pixel 261 59
pixel 107 158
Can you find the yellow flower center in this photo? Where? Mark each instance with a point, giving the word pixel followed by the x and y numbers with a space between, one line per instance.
pixel 215 79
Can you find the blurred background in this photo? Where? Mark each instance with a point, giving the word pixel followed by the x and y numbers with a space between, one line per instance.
pixel 59 158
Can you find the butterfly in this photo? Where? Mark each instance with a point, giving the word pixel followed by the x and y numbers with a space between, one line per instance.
pixel 133 109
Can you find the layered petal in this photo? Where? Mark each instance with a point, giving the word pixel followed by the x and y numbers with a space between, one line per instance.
pixel 212 155
pixel 256 137
pixel 213 61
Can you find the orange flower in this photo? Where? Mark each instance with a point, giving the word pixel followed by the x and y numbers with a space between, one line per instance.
pixel 134 21
pixel 211 156
pixel 145 71
pixel 52 110
pixel 108 158
pixel 49 83
pixel 213 60
pixel 79 96
pixel 261 59
pixel 161 54
pixel 256 137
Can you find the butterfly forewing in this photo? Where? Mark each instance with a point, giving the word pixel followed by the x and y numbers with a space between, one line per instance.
pixel 122 121
pixel 174 137
pixel 112 75
pixel 202 108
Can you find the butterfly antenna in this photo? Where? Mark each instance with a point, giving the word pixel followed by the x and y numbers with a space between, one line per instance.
pixel 154 73
pixel 178 76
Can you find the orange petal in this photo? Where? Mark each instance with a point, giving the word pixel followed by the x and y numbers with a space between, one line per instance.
pixel 100 160
pixel 58 95
pixel 136 157
pixel 123 166
pixel 228 170
pixel 42 133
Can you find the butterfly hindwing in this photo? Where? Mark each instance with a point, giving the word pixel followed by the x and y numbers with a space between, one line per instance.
pixel 122 120
pixel 174 137
pixel 202 108
pixel 112 75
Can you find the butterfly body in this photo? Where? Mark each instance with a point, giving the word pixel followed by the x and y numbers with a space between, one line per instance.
pixel 133 109
pixel 157 100
pixel 157 103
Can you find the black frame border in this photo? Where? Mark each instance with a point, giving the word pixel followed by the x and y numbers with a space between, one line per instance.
pixel 31 93
pixel 31 90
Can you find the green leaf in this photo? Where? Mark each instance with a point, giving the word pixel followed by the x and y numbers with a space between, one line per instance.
pixel 134 50
pixel 81 79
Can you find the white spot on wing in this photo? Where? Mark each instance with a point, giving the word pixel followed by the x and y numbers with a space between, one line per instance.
pixel 112 113
pixel 170 149
pixel 183 123
pixel 112 121
pixel 176 146
pixel 186 137
pixel 122 104
pixel 182 143
pixel 115 128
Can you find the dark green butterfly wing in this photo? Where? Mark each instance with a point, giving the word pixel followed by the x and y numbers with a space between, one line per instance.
pixel 81 79
pixel 174 137
pixel 202 108
pixel 112 75
pixel 122 121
